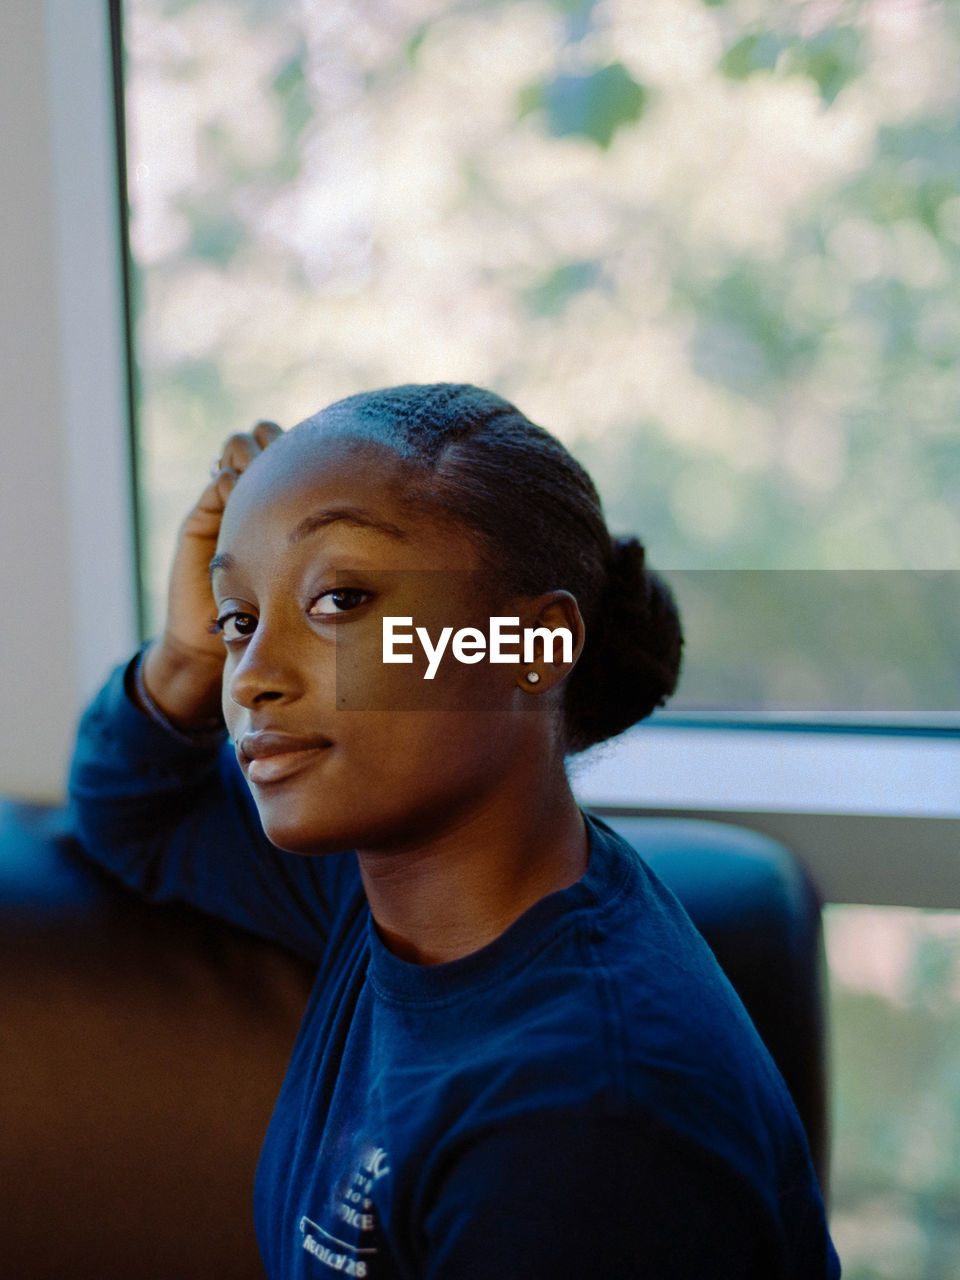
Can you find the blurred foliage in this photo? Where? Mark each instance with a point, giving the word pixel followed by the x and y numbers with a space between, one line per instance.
pixel 738 304
pixel 594 105
pixel 895 1015
pixel 831 57
pixel 550 295
pixel 714 247
pixel 720 240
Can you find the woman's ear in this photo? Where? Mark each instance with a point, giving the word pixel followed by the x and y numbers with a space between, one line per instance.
pixel 552 632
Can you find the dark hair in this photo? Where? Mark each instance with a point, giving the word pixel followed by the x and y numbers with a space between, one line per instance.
pixel 541 525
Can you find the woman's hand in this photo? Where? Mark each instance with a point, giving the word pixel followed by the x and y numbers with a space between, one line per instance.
pixel 183 667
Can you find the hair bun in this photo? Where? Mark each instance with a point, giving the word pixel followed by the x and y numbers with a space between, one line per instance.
pixel 626 565
pixel 631 658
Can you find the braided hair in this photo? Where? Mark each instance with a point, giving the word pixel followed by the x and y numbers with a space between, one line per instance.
pixel 475 457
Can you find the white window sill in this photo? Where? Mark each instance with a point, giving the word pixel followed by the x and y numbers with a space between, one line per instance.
pixel 873 817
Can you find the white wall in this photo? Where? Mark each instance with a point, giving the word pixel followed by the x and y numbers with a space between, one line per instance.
pixel 65 570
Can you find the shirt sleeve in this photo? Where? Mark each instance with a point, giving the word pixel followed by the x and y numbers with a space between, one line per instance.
pixel 175 821
pixel 601 1197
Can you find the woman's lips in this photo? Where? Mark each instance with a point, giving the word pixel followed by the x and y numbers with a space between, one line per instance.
pixel 268 756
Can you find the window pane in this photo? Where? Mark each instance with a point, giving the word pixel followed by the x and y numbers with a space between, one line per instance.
pixel 895 1013
pixel 713 246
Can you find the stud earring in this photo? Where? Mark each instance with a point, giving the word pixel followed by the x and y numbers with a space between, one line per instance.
pixel 533 677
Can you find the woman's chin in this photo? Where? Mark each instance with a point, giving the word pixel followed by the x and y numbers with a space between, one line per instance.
pixel 295 834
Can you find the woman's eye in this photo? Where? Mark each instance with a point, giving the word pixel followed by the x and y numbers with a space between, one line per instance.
pixel 235 626
pixel 338 600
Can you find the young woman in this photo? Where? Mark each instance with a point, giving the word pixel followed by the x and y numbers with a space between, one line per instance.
pixel 519 1058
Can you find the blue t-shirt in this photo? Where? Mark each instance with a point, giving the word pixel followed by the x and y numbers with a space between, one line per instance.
pixel 583 1097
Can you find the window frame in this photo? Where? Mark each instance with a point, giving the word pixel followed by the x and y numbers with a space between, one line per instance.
pixel 95 366
pixel 67 573
pixel 874 816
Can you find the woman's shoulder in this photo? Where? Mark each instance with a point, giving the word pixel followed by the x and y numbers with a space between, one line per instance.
pixel 624 1010
pixel 669 1011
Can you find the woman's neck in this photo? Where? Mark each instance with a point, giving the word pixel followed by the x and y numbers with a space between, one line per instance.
pixel 456 893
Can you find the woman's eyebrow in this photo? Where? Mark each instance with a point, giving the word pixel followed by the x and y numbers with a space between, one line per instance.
pixel 222 561
pixel 313 523
pixel 350 515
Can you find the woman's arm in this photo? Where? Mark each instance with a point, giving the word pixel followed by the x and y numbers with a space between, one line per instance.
pixel 176 822
pixel 156 793
pixel 566 1197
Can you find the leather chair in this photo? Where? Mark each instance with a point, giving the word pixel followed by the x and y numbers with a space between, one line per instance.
pixel 141 1047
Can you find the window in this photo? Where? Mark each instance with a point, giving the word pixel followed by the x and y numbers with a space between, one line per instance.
pixel 896 1026
pixel 713 246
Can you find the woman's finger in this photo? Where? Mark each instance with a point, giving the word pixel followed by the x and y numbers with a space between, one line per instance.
pixel 242 447
pixel 265 432
pixel 203 520
pixel 238 450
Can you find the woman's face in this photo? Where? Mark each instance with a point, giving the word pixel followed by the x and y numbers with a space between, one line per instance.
pixel 342 750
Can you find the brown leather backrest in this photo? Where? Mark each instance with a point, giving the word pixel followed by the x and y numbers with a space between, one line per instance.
pixel 141 1051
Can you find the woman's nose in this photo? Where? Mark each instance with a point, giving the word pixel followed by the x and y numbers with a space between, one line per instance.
pixel 266 670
